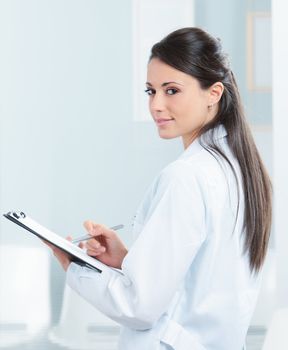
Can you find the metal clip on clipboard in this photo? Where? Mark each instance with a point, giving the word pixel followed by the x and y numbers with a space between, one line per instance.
pixel 77 254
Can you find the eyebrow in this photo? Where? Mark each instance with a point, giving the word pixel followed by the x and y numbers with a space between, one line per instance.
pixel 164 84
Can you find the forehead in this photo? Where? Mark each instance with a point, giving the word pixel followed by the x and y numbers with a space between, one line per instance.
pixel 159 72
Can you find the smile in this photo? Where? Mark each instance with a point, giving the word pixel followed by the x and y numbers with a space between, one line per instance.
pixel 161 122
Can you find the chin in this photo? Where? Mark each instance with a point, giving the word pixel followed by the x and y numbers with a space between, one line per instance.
pixel 167 136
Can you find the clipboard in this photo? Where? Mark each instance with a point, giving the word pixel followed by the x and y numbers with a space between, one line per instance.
pixel 77 254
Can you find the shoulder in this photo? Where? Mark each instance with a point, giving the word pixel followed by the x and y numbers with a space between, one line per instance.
pixel 192 167
pixel 203 169
pixel 181 175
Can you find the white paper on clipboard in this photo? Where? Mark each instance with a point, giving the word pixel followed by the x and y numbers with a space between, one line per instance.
pixel 77 254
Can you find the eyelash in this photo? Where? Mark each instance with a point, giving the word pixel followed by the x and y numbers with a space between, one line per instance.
pixel 153 91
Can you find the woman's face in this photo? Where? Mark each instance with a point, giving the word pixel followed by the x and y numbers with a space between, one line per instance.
pixel 177 103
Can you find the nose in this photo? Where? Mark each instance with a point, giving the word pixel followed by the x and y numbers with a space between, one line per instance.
pixel 157 102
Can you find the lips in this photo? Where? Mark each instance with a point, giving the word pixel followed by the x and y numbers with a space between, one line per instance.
pixel 162 121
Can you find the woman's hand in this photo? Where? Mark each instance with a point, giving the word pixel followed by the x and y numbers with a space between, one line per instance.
pixel 62 257
pixel 105 245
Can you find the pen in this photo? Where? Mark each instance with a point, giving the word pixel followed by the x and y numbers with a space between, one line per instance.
pixel 86 237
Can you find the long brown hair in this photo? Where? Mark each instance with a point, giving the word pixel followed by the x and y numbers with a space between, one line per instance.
pixel 197 53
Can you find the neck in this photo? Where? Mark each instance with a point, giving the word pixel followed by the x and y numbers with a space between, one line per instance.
pixel 188 139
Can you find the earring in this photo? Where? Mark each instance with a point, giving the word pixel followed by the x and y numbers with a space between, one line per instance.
pixel 210 106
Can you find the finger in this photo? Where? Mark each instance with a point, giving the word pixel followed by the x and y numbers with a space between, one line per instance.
pixel 100 249
pixel 88 224
pixel 45 242
pixel 96 252
pixel 93 244
pixel 81 245
pixel 62 257
pixel 102 230
pixel 50 245
pixel 94 228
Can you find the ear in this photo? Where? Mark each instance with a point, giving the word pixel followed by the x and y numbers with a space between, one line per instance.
pixel 215 92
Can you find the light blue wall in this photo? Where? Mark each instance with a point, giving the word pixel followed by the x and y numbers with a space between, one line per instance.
pixel 228 20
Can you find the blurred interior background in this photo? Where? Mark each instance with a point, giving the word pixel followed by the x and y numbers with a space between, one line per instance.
pixel 77 143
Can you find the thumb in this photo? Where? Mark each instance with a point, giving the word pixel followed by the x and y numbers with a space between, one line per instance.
pixel 81 245
pixel 98 229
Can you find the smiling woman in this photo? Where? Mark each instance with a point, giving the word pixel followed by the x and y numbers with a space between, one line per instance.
pixel 179 106
pixel 192 275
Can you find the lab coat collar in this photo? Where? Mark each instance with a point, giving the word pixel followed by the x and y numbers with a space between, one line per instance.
pixel 219 133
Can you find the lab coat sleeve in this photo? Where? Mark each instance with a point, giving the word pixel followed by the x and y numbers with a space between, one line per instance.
pixel 157 262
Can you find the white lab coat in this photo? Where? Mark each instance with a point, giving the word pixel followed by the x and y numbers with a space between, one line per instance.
pixel 186 283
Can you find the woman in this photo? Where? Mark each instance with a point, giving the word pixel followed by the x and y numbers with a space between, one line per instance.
pixel 190 280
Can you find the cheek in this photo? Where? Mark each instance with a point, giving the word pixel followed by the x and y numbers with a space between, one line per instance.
pixel 193 108
pixel 185 108
pixel 150 105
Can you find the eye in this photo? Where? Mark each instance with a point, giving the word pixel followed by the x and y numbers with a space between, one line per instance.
pixel 171 91
pixel 150 92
